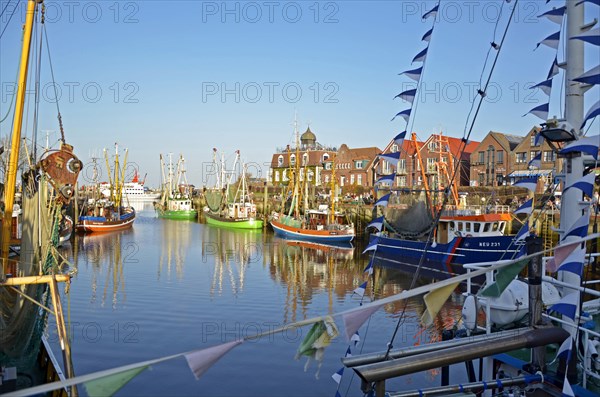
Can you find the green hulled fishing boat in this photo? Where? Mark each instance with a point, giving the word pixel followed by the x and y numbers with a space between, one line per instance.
pixel 176 198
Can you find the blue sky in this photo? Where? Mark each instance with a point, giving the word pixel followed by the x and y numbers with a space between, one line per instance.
pixel 187 76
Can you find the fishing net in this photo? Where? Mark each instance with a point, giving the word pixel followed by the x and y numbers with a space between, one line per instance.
pixel 411 217
pixel 214 199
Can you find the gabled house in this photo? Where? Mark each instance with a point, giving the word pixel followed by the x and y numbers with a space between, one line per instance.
pixel 492 160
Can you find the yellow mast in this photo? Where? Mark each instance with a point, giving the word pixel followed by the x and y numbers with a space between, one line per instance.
pixel 332 194
pixel 11 171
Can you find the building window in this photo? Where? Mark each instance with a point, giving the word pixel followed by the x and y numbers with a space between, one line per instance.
pixel 276 176
pixel 352 179
pixel 310 175
pixel 533 153
pixel 293 159
pixel 284 176
pixel 500 179
pixel 532 143
pixel 385 168
pixel 500 156
pixel 402 165
pixel 432 146
pixel 402 181
pixel 305 159
pixel 548 156
pixel 359 179
pixel 430 165
pixel 325 157
pixel 280 161
pixel 481 179
pixel 481 157
pixel 394 148
pixel 358 165
pixel 326 178
pixel 521 157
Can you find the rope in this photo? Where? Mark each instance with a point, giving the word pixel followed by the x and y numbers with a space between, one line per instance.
pixel 60 124
pixel 9 18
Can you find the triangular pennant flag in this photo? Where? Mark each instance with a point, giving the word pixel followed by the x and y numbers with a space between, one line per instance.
pixel 538 140
pixel 585 184
pixel 337 393
pixel 408 95
pixel 561 253
pixel 319 336
pixel 536 162
pixel 348 352
pixel 360 291
pixel 504 277
pixel 354 319
pixel 337 377
pixel 567 390
pixel 588 144
pixel 427 36
pixel 372 246
pixel 555 15
pixel 523 232
pixel 567 306
pixel 591 36
pixel 434 301
pixel 545 86
pixel 377 223
pixel 386 179
pixel 573 263
pixel 579 228
pixel 597 2
pixel 383 201
pixel 553 69
pixel 405 114
pixel 592 76
pixel 564 351
pixel 355 338
pixel 526 208
pixel 540 111
pixel 421 56
pixel 528 183
pixel 391 158
pixel 551 41
pixel 109 385
pixel 414 74
pixel 200 361
pixel 593 112
pixel 399 139
pixel 431 13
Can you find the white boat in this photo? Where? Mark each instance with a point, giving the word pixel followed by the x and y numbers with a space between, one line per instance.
pixel 135 191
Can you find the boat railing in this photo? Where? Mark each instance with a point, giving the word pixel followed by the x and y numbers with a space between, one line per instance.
pixel 451 211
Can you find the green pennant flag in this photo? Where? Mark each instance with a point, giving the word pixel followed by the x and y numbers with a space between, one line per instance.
pixel 434 301
pixel 109 385
pixel 503 277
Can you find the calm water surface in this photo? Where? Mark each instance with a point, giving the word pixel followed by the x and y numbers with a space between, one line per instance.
pixel 167 287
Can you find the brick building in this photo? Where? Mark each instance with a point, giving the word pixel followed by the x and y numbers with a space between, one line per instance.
pixel 493 159
pixel 353 167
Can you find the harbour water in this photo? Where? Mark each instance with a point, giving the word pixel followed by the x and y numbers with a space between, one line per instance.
pixel 166 287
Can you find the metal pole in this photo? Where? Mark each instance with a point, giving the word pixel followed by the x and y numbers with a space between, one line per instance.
pixel 534 274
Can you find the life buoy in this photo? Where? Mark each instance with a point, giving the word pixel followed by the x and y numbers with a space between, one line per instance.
pixel 469 235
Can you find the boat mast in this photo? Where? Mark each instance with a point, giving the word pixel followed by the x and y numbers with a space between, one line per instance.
pixel 296 170
pixel 11 170
pixel 170 174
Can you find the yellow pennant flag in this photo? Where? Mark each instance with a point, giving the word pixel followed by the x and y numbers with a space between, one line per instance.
pixel 434 301
pixel 109 385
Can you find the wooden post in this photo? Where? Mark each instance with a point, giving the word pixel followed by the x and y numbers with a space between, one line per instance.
pixel 265 203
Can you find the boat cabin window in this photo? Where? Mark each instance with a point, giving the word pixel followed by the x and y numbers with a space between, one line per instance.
pixel 502 226
pixel 460 226
pixel 468 226
pixel 487 227
pixel 452 225
pixel 495 226
pixel 476 227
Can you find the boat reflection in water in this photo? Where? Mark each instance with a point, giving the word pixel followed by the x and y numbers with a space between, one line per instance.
pixel 175 245
pixel 107 254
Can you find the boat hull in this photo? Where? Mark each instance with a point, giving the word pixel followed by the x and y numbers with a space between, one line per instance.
pixel 180 214
pixel 215 220
pixel 89 224
pixel 446 259
pixel 325 236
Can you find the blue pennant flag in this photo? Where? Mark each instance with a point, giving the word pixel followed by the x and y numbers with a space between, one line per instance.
pixel 592 76
pixel 523 232
pixel 386 179
pixel 588 144
pixel 591 36
pixel 427 36
pixel 391 158
pixel 567 390
pixel 405 114
pixel 567 305
pixel 369 268
pixel 593 112
pixel 337 377
pixel 372 246
pixel 585 184
pixel 564 351
pixel 408 95
pixel 553 69
pixel 376 223
pixel 597 2
pixel 573 263
pixel 399 139
pixel 580 227
pixel 431 13
pixel 348 352
pixel 525 208
pixel 536 161
pixel 360 291
pixel 555 15
pixel 355 338
pixel 383 201
pixel 538 140
pixel 528 183
pixel 414 74
pixel 540 111
pixel 421 56
pixel 545 86
pixel 550 41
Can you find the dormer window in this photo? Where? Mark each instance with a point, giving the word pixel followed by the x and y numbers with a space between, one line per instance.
pixel 293 159
pixel 280 161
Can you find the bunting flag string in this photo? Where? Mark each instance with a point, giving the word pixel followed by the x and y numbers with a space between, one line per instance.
pixel 386 179
pixel 434 301
pixel 588 144
pixel 337 377
pixel 405 114
pixel 561 253
pixel 593 112
pixel 567 390
pixel 111 384
pixel 545 86
pixel 431 13
pixel 391 158
pixel 421 56
pixel 399 139
pixel 579 228
pixel 408 95
pixel 526 208
pixel 535 162
pixel 554 69
pixel 372 246
pixel 528 183
pixel 564 351
pixel 573 263
pixel 591 36
pixel 427 36
pixel 550 41
pixel 597 2
pixel 585 184
pixel 414 74
pixel 360 291
pixel 567 305
pixel 523 232
pixel 504 277
pixel 355 338
pixel 592 76
pixel 540 111
pixel 377 223
pixel 201 360
pixel 555 15
pixel 383 201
